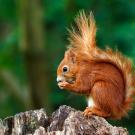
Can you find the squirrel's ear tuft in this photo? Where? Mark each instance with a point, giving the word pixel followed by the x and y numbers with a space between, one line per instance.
pixel 70 55
pixel 84 37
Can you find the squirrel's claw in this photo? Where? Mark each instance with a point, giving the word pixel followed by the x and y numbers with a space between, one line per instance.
pixel 87 112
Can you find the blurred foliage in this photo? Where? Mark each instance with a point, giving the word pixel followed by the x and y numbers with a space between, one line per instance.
pixel 116 28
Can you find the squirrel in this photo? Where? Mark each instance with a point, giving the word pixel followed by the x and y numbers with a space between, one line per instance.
pixel 105 77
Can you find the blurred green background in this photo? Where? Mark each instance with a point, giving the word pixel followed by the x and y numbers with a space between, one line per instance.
pixel 33 38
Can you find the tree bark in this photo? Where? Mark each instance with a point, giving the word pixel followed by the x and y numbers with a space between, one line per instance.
pixel 64 121
pixel 32 46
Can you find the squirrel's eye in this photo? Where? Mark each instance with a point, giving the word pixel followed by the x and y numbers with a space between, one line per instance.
pixel 65 69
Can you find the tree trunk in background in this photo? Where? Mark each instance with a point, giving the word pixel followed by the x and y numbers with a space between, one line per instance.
pixel 31 44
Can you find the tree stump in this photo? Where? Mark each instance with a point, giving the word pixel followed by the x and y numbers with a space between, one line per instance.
pixel 64 121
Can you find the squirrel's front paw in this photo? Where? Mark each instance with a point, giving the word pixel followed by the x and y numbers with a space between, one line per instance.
pixel 62 84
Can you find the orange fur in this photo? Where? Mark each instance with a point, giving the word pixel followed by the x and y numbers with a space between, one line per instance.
pixel 105 75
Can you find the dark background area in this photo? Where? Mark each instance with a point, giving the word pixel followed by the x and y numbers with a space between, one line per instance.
pixel 33 38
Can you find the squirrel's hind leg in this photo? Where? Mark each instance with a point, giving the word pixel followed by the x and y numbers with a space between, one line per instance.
pixel 95 111
pixel 102 99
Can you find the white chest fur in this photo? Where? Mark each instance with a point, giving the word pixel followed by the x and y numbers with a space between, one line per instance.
pixel 90 102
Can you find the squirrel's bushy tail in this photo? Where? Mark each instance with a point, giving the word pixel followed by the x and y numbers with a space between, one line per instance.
pixel 83 42
pixel 125 67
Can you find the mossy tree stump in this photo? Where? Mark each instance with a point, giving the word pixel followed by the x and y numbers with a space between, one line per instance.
pixel 64 121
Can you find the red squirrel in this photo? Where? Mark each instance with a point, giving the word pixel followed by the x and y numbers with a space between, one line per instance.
pixel 106 77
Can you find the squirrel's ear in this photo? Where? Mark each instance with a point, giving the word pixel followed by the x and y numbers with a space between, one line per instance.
pixel 73 57
pixel 70 55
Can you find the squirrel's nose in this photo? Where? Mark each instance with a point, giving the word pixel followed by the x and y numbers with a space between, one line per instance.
pixel 60 79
